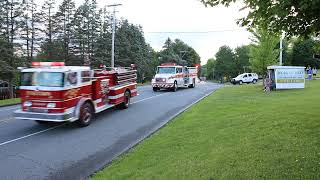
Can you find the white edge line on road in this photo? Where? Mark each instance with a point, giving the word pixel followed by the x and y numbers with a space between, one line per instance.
pixel 52 128
pixel 23 137
pixel 148 98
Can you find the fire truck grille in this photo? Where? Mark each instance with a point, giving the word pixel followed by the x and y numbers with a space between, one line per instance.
pixel 38 110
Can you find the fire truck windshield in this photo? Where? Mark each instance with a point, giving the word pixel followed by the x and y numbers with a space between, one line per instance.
pixel 166 70
pixel 47 79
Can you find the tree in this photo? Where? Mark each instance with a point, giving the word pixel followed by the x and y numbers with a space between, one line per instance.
pixel 131 48
pixel 210 68
pixel 6 63
pixel 10 23
pixel 294 17
pixel 50 28
pixel 86 31
pixel 102 50
pixel 264 51
pixel 225 63
pixel 179 52
pixel 55 46
pixel 242 59
pixel 302 53
pixel 30 28
pixel 65 29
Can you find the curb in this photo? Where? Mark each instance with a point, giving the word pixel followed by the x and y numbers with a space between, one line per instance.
pixel 151 132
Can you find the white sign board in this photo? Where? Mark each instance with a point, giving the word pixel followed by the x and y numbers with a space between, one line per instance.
pixel 290 78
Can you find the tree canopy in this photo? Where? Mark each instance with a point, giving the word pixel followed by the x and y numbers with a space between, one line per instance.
pixel 242 59
pixel 302 53
pixel 178 52
pixel 264 52
pixel 294 17
pixel 225 63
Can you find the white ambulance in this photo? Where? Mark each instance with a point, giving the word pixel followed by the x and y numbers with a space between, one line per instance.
pixel 172 76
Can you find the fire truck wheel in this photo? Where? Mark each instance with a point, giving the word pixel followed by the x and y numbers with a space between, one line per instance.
pixel 126 101
pixel 175 87
pixel 86 113
pixel 155 89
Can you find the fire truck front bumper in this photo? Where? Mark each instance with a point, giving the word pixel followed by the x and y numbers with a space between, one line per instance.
pixel 52 117
pixel 162 85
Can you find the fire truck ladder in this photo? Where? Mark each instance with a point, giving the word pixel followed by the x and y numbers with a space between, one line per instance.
pixel 125 76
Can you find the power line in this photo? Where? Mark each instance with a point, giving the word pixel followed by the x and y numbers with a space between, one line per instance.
pixel 193 32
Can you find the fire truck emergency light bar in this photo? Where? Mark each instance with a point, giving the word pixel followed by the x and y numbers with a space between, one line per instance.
pixel 46 64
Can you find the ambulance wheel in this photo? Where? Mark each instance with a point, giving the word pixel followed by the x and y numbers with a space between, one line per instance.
pixel 86 114
pixel 126 101
pixel 193 85
pixel 175 86
pixel 155 89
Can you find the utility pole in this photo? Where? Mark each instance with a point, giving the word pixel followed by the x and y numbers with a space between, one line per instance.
pixel 281 48
pixel 113 31
pixel 182 54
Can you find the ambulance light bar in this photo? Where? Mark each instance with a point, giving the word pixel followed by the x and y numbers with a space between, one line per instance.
pixel 47 64
pixel 168 64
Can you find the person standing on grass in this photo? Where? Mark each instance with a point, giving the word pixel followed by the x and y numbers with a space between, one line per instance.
pixel 309 71
pixel 314 72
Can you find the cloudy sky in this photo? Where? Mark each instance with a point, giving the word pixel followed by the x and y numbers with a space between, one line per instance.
pixel 211 27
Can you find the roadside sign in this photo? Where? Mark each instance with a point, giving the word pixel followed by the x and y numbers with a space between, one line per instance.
pixel 288 77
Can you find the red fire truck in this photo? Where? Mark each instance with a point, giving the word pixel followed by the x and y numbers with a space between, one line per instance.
pixel 51 91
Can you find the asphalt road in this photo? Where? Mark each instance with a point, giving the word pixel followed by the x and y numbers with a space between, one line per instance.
pixel 64 151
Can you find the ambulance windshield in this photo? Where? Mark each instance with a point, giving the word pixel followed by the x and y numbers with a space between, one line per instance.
pixel 47 79
pixel 166 70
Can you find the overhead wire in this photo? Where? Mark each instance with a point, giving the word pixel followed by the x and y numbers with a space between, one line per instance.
pixel 192 32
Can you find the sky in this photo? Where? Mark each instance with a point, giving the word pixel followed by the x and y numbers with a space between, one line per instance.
pixel 158 17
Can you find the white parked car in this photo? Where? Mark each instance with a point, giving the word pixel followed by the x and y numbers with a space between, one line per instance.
pixel 245 78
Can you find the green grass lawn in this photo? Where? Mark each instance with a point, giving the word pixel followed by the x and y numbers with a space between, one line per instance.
pixel 9 101
pixel 239 132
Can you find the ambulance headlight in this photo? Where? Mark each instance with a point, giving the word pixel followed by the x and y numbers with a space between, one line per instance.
pixel 27 104
pixel 51 105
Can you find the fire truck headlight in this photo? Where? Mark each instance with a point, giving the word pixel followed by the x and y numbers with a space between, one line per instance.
pixel 27 104
pixel 51 105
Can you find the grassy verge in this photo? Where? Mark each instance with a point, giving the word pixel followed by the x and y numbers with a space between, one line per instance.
pixel 239 132
pixel 9 101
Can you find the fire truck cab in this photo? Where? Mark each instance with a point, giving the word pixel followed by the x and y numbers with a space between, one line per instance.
pixel 51 91
pixel 172 76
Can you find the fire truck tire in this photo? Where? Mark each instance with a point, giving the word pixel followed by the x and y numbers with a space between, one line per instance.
pixel 155 89
pixel 86 114
pixel 126 101
pixel 175 86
